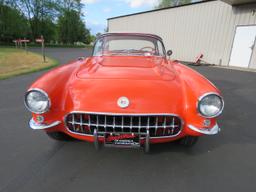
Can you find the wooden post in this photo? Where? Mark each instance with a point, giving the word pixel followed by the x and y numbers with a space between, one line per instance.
pixel 26 45
pixel 20 43
pixel 41 40
pixel 43 48
pixel 15 41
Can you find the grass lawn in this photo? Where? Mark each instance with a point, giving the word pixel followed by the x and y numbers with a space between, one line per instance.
pixel 15 62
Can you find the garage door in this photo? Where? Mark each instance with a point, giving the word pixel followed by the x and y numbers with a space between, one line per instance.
pixel 243 45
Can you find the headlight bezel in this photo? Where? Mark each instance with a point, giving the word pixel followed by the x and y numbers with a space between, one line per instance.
pixel 42 92
pixel 205 95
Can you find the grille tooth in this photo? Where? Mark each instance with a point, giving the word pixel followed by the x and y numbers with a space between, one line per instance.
pixel 131 123
pixel 159 125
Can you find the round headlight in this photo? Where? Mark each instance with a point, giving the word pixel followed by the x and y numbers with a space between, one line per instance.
pixel 37 101
pixel 210 105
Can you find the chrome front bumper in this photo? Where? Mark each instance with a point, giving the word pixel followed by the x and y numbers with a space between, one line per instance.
pixel 207 131
pixel 37 126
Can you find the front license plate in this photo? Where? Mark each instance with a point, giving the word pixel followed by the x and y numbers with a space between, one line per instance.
pixel 122 140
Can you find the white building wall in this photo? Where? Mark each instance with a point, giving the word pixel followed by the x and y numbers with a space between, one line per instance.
pixel 206 28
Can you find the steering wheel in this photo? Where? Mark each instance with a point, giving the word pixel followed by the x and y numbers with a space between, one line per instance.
pixel 152 51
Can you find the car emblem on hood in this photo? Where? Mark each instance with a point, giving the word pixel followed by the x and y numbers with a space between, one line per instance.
pixel 123 102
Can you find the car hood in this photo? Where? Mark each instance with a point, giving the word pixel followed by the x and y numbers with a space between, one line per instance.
pixel 126 67
pixel 101 95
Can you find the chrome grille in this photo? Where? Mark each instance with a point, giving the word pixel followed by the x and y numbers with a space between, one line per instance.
pixel 159 125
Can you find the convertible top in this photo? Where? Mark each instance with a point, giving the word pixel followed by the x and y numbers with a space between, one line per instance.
pixel 132 34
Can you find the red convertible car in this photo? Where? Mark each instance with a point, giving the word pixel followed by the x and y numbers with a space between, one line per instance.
pixel 127 94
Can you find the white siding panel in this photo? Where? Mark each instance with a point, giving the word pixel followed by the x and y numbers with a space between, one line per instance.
pixel 206 28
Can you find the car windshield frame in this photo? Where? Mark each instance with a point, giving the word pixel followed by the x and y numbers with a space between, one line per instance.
pixel 101 50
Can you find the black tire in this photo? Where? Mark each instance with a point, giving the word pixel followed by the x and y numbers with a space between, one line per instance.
pixel 188 141
pixel 59 136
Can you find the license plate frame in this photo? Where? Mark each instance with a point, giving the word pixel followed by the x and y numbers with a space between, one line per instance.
pixel 122 140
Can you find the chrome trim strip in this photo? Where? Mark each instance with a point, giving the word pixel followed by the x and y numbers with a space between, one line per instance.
pixel 120 114
pixel 147 142
pixel 43 92
pixel 95 139
pixel 204 95
pixel 101 134
pixel 36 126
pixel 207 131
pixel 122 126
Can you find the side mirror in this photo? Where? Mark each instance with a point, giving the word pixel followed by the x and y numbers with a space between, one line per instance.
pixel 169 53
pixel 81 58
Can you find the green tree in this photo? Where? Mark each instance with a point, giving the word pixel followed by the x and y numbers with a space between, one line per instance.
pixel 54 19
pixel 88 37
pixel 45 27
pixel 91 39
pixel 68 5
pixel 170 3
pixel 71 28
pixel 13 25
pixel 40 14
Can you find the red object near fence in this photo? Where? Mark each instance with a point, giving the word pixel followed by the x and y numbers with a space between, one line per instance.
pixel 39 40
pixel 24 41
pixel 199 58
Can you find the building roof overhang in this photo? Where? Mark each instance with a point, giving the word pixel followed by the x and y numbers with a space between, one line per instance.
pixel 238 2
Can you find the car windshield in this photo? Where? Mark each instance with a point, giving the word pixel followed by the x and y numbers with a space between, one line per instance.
pixel 128 45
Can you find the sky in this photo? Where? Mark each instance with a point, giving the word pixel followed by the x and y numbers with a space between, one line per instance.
pixel 96 12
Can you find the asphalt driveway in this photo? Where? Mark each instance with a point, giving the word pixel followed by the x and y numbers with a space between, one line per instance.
pixel 30 161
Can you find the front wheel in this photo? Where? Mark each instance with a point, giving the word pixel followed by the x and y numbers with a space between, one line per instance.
pixel 59 136
pixel 188 141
